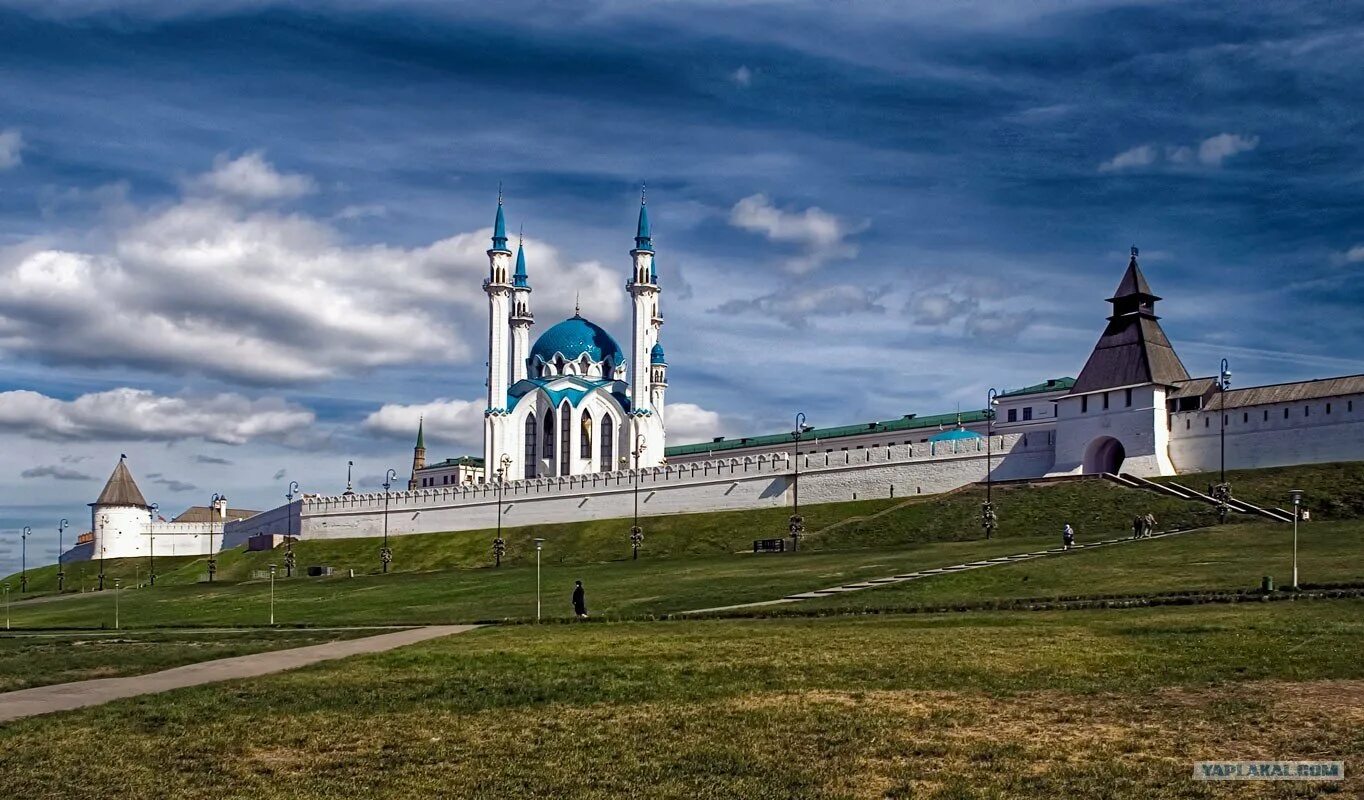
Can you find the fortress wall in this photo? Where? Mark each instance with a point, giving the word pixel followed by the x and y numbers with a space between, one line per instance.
pixel 1308 435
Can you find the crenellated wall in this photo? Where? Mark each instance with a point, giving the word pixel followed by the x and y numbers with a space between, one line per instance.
pixel 751 482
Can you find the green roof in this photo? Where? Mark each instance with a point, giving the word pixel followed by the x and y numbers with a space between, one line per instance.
pixel 1051 385
pixel 909 422
pixel 462 461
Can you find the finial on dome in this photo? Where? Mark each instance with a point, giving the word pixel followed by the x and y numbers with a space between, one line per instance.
pixel 643 193
pixel 577 305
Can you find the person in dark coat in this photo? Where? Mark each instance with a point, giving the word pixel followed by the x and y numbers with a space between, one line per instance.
pixel 579 600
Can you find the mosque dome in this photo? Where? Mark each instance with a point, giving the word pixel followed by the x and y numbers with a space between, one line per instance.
pixel 656 355
pixel 573 337
pixel 955 434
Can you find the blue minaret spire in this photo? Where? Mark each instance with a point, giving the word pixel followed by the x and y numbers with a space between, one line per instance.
pixel 643 239
pixel 500 226
pixel 519 278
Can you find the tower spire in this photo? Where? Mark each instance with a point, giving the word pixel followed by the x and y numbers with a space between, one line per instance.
pixel 499 227
pixel 643 239
pixel 519 278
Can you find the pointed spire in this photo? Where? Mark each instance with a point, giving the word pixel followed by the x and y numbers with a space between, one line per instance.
pixel 643 238
pixel 500 226
pixel 520 278
pixel 121 489
pixel 421 433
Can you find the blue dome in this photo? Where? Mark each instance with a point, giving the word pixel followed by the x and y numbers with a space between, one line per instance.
pixel 955 434
pixel 575 336
pixel 656 355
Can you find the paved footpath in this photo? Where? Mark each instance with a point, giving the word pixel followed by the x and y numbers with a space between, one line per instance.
pixel 928 573
pixel 66 696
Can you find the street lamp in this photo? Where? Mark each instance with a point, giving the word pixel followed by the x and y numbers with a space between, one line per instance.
pixel 1296 494
pixel 117 583
pixel 538 543
pixel 61 570
pixel 289 537
pixel 272 594
pixel 796 524
pixel 1222 492
pixel 385 554
pixel 503 464
pixel 23 558
pixel 104 525
pixel 7 606
pixel 988 519
pixel 151 547
pixel 636 532
pixel 212 553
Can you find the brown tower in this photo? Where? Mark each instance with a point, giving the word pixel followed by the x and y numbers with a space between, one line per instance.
pixel 418 454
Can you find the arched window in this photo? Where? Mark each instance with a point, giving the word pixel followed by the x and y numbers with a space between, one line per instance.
pixel 565 430
pixel 608 444
pixel 547 441
pixel 530 445
pixel 585 436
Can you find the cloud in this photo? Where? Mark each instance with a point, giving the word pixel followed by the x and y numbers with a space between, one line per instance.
pixel 1211 152
pixel 458 422
pixel 251 177
pixel 973 309
pixel 688 423
pixel 265 298
pixel 280 473
pixel 1355 254
pixel 203 459
pixel 1215 150
pixel 11 143
pixel 171 484
pixel 743 76
pixel 1141 156
pixel 822 235
pixel 137 414
pixel 940 308
pixel 56 473
pixel 797 305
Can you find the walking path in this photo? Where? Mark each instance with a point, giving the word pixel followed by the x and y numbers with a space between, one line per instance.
pixel 928 573
pixel 66 696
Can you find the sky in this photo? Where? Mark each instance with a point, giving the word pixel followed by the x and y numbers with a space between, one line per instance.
pixel 243 242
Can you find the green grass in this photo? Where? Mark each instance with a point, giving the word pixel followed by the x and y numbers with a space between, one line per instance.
pixel 1230 557
pixel 1330 491
pixel 39 660
pixel 1113 704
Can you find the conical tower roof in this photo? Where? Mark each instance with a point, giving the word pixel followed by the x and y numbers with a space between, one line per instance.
pixel 121 490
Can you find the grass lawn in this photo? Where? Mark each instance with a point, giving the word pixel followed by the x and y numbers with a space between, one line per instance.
pixel 621 588
pixel 1113 704
pixel 39 660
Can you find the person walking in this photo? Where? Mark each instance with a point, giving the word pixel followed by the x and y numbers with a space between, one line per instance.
pixel 1150 524
pixel 1068 536
pixel 579 600
pixel 1138 526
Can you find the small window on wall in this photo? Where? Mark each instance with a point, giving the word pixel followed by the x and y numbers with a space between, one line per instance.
pixel 1084 404
pixel 1285 413
pixel 1207 422
pixel 1105 401
pixel 1027 413
pixel 1127 397
pixel 1245 417
pixel 1187 424
pixel 1013 415
pixel 1328 408
pixel 1266 415
pixel 1306 410
pixel 1350 406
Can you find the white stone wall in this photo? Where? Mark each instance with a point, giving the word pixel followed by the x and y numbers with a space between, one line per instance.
pixel 752 482
pixel 1262 436
pixel 125 532
pixel 1083 423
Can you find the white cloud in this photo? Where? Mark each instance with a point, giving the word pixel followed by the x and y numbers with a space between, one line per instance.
pixel 267 298
pixel 137 414
pixel 939 308
pixel 458 422
pixel 251 177
pixel 743 76
pixel 1141 156
pixel 688 423
pixel 796 306
pixel 1355 254
pixel 1213 151
pixel 822 235
pixel 11 143
pixel 56 473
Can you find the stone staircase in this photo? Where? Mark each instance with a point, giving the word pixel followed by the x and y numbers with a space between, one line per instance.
pixel 1185 493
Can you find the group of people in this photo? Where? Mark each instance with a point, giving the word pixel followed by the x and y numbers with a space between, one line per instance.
pixel 1143 525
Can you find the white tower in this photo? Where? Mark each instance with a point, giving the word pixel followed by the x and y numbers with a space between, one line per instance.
pixel 499 288
pixel 658 382
pixel 521 318
pixel 118 517
pixel 643 288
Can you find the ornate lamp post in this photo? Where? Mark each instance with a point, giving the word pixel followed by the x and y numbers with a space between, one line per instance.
pixel 499 550
pixel 117 583
pixel 796 524
pixel 151 542
pixel 385 554
pixel 1296 494
pixel 289 537
pixel 61 569
pixel 636 532
pixel 272 594
pixel 7 606
pixel 23 558
pixel 499 545
pixel 538 543
pixel 1222 492
pixel 104 523
pixel 988 519
pixel 212 552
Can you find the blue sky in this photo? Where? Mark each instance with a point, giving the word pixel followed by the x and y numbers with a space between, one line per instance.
pixel 252 232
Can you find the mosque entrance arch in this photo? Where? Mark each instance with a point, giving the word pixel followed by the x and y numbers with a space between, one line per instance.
pixel 1104 454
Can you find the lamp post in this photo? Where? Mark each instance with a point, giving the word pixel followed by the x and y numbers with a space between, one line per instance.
pixel 636 532
pixel 1296 494
pixel 104 523
pixel 212 553
pixel 23 558
pixel 289 526
pixel 385 554
pixel 1222 492
pixel 272 594
pixel 61 570
pixel 538 543
pixel 7 606
pixel 151 546
pixel 796 524
pixel 988 518
pixel 117 583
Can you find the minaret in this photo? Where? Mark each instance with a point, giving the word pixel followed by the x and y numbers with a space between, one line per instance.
pixel 521 318
pixel 658 381
pixel 643 288
pixel 499 289
pixel 418 454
